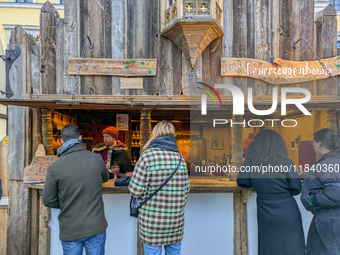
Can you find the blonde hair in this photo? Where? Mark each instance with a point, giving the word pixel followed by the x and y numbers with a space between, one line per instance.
pixel 163 128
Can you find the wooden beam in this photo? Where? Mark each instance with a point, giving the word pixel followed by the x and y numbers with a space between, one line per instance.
pixel 326 38
pixel 99 22
pixel 17 118
pixel 239 37
pixel 60 53
pixel 261 41
pixel 48 18
pixel 72 43
pixel 118 39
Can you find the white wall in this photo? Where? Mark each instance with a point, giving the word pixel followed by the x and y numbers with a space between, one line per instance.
pixel 208 225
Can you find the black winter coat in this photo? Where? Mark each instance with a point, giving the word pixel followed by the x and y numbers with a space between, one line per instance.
pixel 279 221
pixel 323 183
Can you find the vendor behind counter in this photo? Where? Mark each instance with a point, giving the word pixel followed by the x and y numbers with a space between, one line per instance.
pixel 113 151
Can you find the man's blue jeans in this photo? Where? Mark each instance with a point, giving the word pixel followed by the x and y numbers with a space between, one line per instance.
pixel 94 245
pixel 170 249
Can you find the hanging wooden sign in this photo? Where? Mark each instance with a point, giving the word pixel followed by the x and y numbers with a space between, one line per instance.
pixel 131 83
pixel 281 71
pixel 113 67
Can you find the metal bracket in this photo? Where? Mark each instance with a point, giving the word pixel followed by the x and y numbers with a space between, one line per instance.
pixel 10 56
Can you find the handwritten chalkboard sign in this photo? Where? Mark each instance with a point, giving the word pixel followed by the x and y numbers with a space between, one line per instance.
pixel 113 67
pixel 36 172
pixel 281 71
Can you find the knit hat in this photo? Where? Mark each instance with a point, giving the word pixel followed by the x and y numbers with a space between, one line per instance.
pixel 112 131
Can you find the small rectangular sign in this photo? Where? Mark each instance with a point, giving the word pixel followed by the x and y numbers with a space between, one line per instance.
pixel 131 83
pixel 113 67
pixel 122 122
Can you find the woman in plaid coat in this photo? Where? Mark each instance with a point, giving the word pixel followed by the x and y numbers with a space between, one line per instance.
pixel 161 219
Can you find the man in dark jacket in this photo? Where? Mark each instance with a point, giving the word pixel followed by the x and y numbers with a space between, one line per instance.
pixel 73 184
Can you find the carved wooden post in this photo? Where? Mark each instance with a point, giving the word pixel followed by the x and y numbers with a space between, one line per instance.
pixel 145 134
pixel 47 130
pixel 331 120
pixel 145 126
pixel 236 143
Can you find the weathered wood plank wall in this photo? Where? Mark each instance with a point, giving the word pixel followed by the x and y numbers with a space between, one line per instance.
pixel 131 29
pixel 326 38
pixel 48 19
pixel 18 155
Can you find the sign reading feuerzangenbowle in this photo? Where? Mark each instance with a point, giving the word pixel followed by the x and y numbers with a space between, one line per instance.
pixel 281 71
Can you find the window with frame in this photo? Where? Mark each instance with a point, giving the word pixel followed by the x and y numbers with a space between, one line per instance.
pixel 24 1
pixel 336 4
pixel 61 1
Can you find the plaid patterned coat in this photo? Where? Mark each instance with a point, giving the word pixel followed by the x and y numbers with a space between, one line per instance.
pixel 161 219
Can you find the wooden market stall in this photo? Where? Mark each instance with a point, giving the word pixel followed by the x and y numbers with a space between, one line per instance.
pixel 144 62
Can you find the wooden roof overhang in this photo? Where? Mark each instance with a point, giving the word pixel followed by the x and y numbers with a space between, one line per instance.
pixel 97 102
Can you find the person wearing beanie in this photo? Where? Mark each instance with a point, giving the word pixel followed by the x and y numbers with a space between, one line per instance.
pixel 113 151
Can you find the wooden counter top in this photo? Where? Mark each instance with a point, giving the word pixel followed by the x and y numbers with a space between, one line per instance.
pixel 198 185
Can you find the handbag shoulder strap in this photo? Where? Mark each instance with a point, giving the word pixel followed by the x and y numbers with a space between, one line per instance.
pixel 167 180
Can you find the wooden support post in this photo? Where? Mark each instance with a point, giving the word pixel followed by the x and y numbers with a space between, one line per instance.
pixel 36 130
pixel 236 143
pixel 47 131
pixel 326 38
pixel 145 134
pixel 48 17
pixel 145 126
pixel 331 120
pixel 34 231
pixel 44 229
pixel 241 222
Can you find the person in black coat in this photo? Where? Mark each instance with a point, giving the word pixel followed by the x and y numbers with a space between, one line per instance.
pixel 268 170
pixel 321 195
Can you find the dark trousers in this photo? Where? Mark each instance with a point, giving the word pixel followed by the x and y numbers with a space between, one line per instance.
pixel 324 235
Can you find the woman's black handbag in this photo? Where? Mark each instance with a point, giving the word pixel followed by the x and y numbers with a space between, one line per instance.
pixel 134 207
